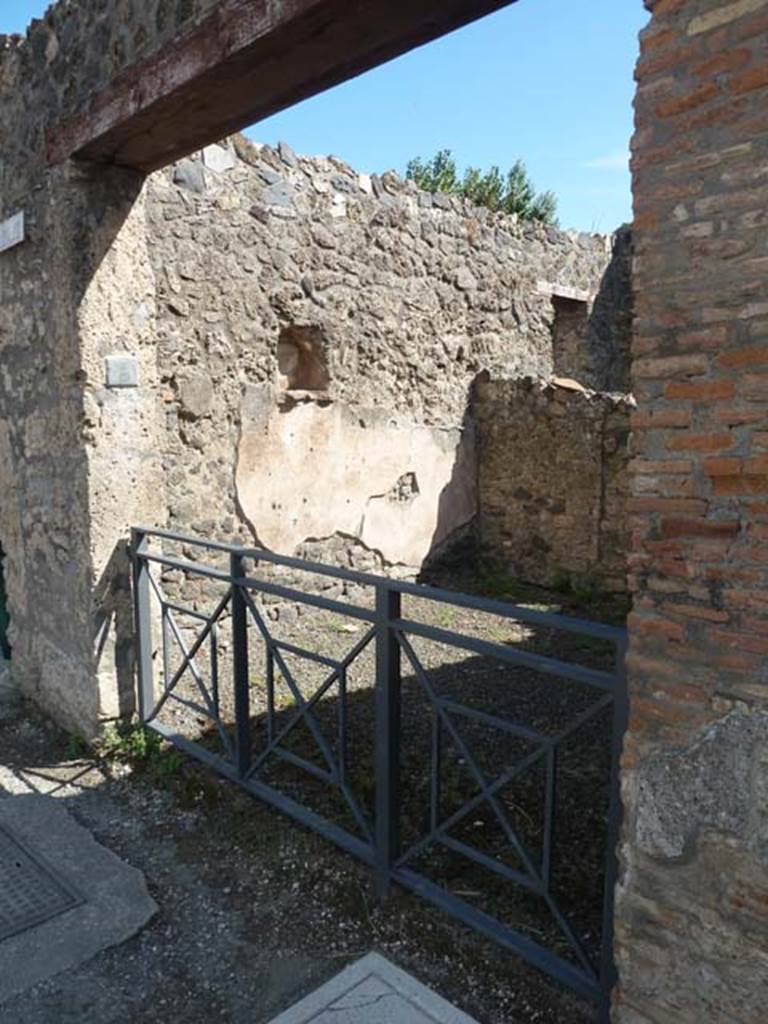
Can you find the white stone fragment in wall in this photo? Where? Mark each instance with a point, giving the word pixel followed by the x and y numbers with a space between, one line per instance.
pixel 12 231
pixel 339 205
pixel 218 159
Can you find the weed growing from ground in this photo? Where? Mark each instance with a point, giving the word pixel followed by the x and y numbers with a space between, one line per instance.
pixel 133 744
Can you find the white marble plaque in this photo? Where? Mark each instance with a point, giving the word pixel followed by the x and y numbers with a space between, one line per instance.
pixel 122 371
pixel 12 231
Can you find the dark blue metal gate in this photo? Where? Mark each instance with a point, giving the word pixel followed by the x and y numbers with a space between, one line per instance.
pixel 248 749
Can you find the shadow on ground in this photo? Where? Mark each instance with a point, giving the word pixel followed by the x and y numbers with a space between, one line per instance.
pixel 255 911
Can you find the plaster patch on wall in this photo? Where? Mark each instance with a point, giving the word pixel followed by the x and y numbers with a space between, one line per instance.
pixel 314 471
pixel 714 785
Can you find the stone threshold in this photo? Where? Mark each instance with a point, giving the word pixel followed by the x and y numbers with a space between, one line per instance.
pixel 373 991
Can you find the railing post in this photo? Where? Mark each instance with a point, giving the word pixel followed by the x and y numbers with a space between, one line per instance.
pixel 387 738
pixel 608 972
pixel 142 625
pixel 240 667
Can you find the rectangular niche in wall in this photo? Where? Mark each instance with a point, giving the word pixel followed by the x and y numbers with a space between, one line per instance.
pixel 302 361
pixel 570 344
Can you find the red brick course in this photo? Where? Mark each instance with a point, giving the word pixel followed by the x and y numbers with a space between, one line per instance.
pixel 699 512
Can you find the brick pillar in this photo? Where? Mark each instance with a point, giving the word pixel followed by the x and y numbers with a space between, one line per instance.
pixel 692 916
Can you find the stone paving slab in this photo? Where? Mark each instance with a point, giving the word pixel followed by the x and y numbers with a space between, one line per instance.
pixel 115 905
pixel 373 991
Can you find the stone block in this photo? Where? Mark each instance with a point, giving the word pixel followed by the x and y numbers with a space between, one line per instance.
pixel 287 155
pixel 189 174
pixel 219 159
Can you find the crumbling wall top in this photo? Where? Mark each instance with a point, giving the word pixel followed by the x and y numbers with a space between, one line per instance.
pixel 331 175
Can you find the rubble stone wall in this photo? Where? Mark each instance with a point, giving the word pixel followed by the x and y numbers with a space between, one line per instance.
pixel 200 275
pixel 398 300
pixel 553 481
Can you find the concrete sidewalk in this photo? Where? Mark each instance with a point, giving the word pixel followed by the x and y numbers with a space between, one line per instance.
pixel 63 896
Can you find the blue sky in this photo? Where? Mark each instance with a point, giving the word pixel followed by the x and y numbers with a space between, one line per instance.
pixel 547 80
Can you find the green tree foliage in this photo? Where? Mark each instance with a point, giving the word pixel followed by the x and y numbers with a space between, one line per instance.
pixel 510 193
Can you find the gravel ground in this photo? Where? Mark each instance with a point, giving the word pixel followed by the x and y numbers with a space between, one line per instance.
pixel 255 911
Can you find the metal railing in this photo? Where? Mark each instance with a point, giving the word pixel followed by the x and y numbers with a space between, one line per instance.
pixel 247 752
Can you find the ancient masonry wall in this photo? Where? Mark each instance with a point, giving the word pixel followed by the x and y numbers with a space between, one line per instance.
pixel 76 288
pixel 691 920
pixel 398 299
pixel 552 481
pixel 694 887
pixel 85 461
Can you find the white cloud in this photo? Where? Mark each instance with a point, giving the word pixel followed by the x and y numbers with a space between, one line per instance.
pixel 612 162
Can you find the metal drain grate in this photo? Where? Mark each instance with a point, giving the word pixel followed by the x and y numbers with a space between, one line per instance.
pixel 30 890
